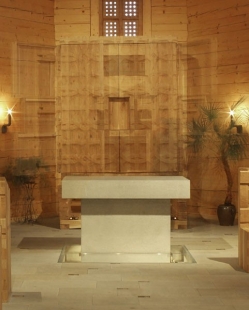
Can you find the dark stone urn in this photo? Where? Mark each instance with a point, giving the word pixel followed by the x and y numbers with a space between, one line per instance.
pixel 226 214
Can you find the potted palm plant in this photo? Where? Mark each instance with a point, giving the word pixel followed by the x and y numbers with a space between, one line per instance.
pixel 227 139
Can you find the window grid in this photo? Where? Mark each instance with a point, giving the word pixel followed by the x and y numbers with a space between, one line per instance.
pixel 130 8
pixel 121 17
pixel 110 9
pixel 110 29
pixel 130 28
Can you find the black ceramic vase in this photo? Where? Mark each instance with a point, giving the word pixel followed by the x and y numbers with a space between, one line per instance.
pixel 226 214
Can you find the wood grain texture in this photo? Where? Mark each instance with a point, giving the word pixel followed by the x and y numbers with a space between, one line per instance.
pixel 5 237
pixel 27 59
pixel 75 19
pixel 135 105
pixel 212 40
pixel 217 72
pixel 243 210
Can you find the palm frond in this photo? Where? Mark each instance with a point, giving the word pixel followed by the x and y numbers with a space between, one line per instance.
pixel 237 104
pixel 196 134
pixel 236 146
pixel 210 111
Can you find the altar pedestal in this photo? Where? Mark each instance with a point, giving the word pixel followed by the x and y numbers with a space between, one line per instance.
pixel 125 218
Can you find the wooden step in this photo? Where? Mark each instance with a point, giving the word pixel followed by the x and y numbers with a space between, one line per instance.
pixel 176 224
pixel 70 224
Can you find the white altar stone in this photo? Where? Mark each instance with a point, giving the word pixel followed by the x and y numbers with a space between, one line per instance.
pixel 125 187
pixel 125 218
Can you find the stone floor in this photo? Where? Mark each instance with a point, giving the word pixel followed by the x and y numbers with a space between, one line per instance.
pixel 214 282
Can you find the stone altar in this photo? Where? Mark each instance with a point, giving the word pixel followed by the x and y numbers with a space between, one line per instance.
pixel 125 218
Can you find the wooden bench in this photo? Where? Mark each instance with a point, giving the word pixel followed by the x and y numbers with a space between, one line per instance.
pixel 176 224
pixel 70 224
pixel 5 240
pixel 244 238
pixel 179 211
pixel 72 216
pixel 244 247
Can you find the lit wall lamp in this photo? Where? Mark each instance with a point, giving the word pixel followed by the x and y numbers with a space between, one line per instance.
pixel 4 127
pixel 231 113
pixel 238 127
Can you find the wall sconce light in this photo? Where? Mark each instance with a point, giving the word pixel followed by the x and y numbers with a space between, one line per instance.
pixel 4 127
pixel 238 127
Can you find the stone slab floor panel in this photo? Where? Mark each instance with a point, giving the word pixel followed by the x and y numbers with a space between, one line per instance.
pixel 214 282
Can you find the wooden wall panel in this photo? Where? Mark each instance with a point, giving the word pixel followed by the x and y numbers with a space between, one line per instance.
pixel 88 83
pixel 111 151
pixel 22 22
pixel 135 151
pixel 72 18
pixel 73 4
pixel 217 57
pixel 43 8
pixel 169 18
pixel 169 3
pixel 119 108
pixel 218 71
pixel 31 136
pixel 34 70
pixel 140 125
pixel 28 15
pixel 27 60
pixel 68 31
pixel 77 19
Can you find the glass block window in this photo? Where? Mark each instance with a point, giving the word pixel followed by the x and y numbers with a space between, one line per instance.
pixel 110 8
pixel 130 8
pixel 110 28
pixel 130 28
pixel 121 18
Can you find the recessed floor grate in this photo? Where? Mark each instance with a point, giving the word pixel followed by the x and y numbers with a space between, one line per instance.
pixel 179 254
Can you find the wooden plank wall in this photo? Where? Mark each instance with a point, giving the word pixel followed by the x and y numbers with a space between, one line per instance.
pixel 169 18
pixel 116 119
pixel 75 19
pixel 27 61
pixel 218 70
pixel 118 123
pixel 217 53
pixel 118 107
pixel 72 18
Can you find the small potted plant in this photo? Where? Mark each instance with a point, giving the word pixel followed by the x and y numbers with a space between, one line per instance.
pixel 209 130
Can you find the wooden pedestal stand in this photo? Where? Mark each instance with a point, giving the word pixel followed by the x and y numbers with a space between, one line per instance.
pixel 29 208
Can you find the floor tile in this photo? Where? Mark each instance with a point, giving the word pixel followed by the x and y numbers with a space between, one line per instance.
pixel 40 281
